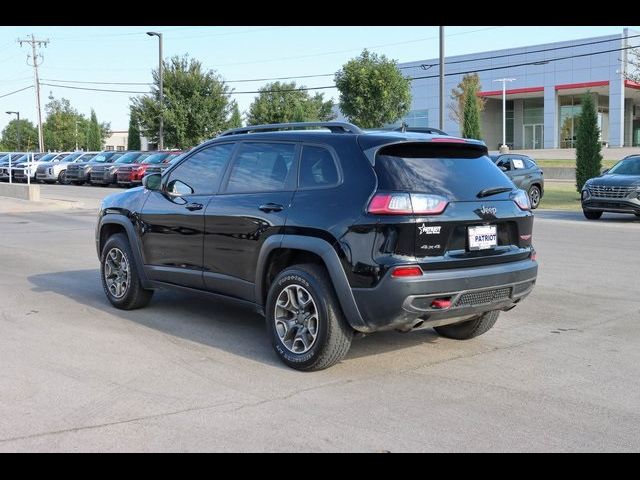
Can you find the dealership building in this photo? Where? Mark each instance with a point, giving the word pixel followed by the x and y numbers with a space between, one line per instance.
pixel 543 99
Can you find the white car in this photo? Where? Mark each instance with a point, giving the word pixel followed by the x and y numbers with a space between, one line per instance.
pixel 27 167
pixel 52 170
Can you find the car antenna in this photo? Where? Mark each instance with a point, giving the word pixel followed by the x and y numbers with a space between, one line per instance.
pixel 404 127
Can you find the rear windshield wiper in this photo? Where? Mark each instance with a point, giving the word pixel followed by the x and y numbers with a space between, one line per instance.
pixel 487 192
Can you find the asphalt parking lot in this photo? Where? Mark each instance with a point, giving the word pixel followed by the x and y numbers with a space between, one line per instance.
pixel 558 373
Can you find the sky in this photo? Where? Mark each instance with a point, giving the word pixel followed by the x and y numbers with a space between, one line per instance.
pixel 126 54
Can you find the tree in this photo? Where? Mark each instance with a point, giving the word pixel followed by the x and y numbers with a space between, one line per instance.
pixel 373 91
pixel 64 126
pixel 235 120
pixel 285 102
pixel 28 136
pixel 196 104
pixel 459 97
pixel 588 157
pixel 133 137
pixel 471 114
pixel 94 137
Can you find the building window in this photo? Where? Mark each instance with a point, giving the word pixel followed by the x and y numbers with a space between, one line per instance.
pixel 109 148
pixel 533 123
pixel 120 148
pixel 509 117
pixel 415 118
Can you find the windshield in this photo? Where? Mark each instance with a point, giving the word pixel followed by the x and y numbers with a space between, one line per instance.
pixel 628 166
pixel 70 158
pixel 156 158
pixel 450 172
pixel 128 157
pixel 87 156
pixel 106 157
pixel 48 157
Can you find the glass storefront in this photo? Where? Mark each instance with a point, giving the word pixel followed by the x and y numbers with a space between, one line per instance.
pixel 415 118
pixel 570 109
pixel 509 117
pixel 533 123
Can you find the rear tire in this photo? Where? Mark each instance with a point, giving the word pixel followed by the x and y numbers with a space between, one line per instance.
pixel 535 195
pixel 120 276
pixel 470 328
pixel 317 336
pixel 591 215
pixel 62 178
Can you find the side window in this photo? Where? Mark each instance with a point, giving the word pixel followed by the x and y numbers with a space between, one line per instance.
pixel 317 168
pixel 261 167
pixel 504 163
pixel 201 173
pixel 528 163
pixel 518 163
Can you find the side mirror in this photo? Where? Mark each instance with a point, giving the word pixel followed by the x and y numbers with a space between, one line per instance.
pixel 605 171
pixel 152 182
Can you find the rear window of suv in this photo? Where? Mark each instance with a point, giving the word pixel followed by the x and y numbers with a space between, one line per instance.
pixel 457 173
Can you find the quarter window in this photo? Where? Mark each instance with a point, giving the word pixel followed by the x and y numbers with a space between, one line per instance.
pixel 200 174
pixel 262 167
pixel 317 168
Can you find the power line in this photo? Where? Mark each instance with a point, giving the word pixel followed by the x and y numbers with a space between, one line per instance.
pixel 16 91
pixel 335 52
pixel 96 83
pixel 91 89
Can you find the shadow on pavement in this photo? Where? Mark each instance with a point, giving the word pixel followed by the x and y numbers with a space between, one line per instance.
pixel 205 320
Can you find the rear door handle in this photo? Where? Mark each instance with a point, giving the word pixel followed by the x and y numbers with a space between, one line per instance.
pixel 192 207
pixel 271 207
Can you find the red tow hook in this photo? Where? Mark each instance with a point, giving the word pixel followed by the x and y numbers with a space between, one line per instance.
pixel 441 303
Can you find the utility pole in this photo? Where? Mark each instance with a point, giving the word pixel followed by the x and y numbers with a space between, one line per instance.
pixel 161 75
pixel 441 78
pixel 35 43
pixel 503 147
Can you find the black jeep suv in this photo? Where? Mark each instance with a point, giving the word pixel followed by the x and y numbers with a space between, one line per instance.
pixel 327 233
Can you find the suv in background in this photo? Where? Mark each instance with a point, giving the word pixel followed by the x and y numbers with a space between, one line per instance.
pixel 327 233
pixel 106 174
pixel 524 173
pixel 79 173
pixel 131 175
pixel 617 190
pixel 51 170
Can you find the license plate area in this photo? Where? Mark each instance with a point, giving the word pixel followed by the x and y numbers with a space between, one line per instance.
pixel 482 237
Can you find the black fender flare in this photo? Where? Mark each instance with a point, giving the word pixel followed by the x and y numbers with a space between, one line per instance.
pixel 134 243
pixel 331 261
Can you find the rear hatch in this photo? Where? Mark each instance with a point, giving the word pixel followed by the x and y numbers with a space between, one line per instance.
pixel 447 205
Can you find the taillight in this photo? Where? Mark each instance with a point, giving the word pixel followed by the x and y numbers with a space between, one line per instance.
pixel 521 199
pixel 407 204
pixel 413 271
pixel 534 256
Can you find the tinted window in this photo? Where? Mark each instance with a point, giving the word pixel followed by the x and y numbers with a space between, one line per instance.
pixel 411 169
pixel 200 174
pixel 504 163
pixel 528 163
pixel 261 167
pixel 317 168
pixel 155 158
pixel 127 157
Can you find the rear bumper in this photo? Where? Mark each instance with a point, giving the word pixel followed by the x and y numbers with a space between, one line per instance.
pixel 402 303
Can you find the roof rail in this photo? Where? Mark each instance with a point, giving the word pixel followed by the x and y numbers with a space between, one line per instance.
pixel 334 127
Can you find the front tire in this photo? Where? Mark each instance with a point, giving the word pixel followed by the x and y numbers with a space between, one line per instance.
pixel 535 196
pixel 304 320
pixel 120 276
pixel 62 178
pixel 471 328
pixel 591 215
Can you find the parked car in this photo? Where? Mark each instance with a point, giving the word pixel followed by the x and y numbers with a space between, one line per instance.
pixel 106 175
pixel 131 175
pixel 56 171
pixel 383 231
pixel 161 167
pixel 78 173
pixel 29 165
pixel 617 190
pixel 8 162
pixel 524 173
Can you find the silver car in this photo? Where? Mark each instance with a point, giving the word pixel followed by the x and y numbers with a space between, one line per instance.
pixel 28 166
pixel 56 171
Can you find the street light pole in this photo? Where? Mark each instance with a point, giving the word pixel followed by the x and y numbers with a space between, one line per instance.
pixel 504 110
pixel 17 114
pixel 161 75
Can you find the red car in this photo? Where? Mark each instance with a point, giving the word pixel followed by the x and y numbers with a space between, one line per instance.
pixel 131 175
